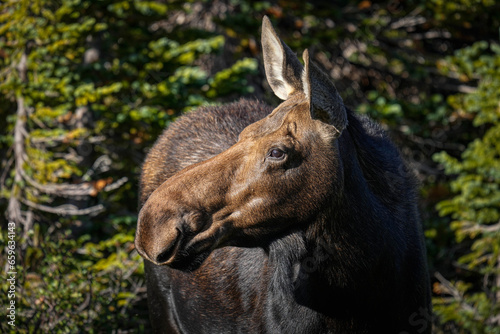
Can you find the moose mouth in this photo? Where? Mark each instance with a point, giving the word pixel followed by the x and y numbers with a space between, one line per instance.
pixel 189 249
pixel 170 252
pixel 182 254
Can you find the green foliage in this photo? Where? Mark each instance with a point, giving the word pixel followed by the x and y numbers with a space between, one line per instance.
pixel 104 78
pixel 380 107
pixel 224 82
pixel 69 282
pixel 101 82
pixel 475 208
pixel 481 61
pixel 473 311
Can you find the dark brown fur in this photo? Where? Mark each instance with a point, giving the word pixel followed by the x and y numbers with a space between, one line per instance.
pixel 299 220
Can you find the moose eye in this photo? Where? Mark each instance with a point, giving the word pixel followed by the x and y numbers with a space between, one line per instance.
pixel 276 153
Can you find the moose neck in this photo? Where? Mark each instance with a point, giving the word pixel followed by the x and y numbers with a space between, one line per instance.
pixel 330 259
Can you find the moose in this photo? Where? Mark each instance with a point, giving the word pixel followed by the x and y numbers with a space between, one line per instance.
pixel 298 219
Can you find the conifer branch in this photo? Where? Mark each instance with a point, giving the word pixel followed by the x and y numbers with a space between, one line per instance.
pixel 70 190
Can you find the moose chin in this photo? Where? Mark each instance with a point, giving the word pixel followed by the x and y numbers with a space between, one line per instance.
pixel 295 219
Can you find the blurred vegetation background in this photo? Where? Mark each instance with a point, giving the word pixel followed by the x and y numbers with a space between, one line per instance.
pixel 87 86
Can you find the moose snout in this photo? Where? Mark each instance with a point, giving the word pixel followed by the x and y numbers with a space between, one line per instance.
pixel 157 238
pixel 175 223
pixel 165 231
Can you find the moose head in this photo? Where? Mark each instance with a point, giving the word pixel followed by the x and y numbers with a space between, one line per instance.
pixel 283 172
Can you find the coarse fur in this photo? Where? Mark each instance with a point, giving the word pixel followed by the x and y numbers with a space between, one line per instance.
pixel 238 238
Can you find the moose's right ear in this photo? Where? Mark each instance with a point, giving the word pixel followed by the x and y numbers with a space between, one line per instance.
pixel 283 69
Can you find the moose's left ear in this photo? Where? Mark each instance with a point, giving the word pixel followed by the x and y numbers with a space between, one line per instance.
pixel 283 68
pixel 324 99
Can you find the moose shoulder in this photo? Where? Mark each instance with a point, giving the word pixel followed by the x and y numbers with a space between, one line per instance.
pixel 300 219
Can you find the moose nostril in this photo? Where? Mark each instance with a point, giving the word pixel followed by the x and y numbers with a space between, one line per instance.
pixel 166 253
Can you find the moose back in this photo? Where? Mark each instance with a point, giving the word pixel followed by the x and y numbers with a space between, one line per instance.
pixel 300 219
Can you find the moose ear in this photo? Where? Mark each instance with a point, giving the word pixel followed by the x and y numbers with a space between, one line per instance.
pixel 324 99
pixel 283 69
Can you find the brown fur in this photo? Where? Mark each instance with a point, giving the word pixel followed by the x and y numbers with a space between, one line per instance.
pixel 299 220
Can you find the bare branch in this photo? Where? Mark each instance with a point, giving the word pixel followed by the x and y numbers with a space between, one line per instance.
pixel 101 165
pixel 453 291
pixel 432 142
pixel 69 190
pixel 22 66
pixel 84 189
pixel 28 224
pixel 457 88
pixel 66 209
pixel 115 185
pixel 431 35
pixel 496 319
pixel 407 22
pixel 6 170
pixel 473 227
pixel 14 208
pixel 85 303
pixel 62 138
